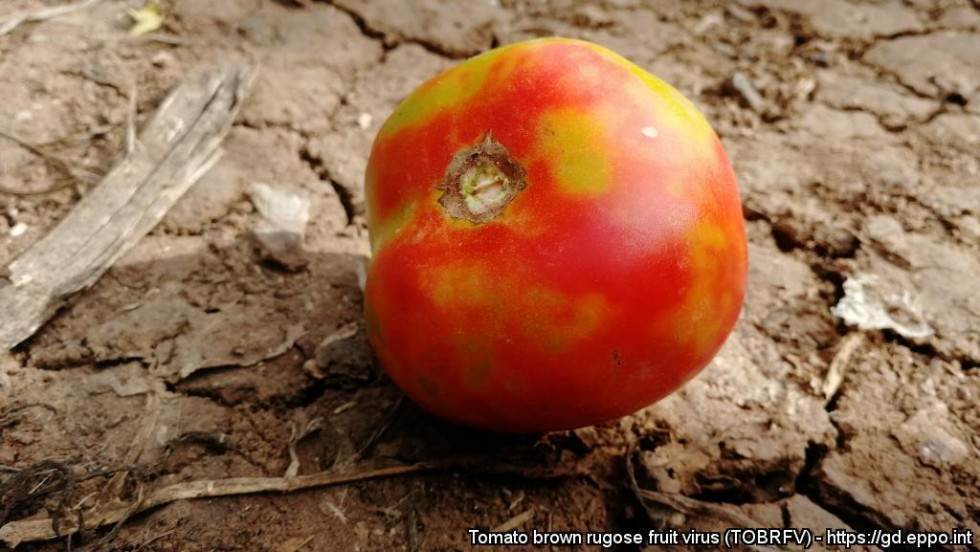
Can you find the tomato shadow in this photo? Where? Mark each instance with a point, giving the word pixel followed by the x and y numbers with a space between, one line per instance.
pixel 244 343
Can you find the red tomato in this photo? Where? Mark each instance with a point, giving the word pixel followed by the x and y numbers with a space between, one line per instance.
pixel 557 239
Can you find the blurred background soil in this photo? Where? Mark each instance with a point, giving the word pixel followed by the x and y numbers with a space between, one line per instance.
pixel 854 129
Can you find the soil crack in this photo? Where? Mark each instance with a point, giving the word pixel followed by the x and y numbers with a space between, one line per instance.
pixel 344 195
pixel 389 42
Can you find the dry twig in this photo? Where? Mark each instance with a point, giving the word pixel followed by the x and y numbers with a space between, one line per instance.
pixel 748 91
pixel 33 530
pixel 177 146
pixel 412 531
pixel 514 522
pixel 297 432
pixel 295 544
pixel 838 366
pixel 150 417
pixel 378 433
pixel 53 161
pixel 153 539
pixel 131 112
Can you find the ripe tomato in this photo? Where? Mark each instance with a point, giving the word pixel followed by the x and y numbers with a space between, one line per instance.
pixel 557 239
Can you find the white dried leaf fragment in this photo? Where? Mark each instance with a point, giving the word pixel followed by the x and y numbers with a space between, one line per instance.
pixel 870 307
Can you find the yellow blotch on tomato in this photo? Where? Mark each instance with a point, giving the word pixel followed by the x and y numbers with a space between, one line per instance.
pixel 675 115
pixel 553 320
pixel 459 285
pixel 392 226
pixel 704 298
pixel 450 91
pixel 557 321
pixel 572 143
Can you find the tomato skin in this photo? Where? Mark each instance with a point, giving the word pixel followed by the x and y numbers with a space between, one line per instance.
pixel 612 278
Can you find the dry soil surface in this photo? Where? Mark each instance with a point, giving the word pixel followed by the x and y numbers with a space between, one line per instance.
pixel 854 129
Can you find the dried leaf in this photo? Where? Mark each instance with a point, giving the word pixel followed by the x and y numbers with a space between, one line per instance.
pixel 870 305
pixel 147 19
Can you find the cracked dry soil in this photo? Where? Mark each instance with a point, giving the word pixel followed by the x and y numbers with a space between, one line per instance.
pixel 860 159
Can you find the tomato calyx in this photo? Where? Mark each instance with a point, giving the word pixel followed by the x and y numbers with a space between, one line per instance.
pixel 480 181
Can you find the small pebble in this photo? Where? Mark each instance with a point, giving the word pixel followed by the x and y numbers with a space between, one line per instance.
pixel 364 121
pixel 725 49
pixel 162 59
pixel 748 91
pixel 18 230
pixel 822 59
pixel 708 21
pixel 740 13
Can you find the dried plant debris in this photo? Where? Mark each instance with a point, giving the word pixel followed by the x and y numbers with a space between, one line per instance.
pixel 869 305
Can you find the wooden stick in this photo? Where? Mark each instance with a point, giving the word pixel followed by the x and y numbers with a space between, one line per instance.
pixel 838 366
pixel 17 532
pixel 177 146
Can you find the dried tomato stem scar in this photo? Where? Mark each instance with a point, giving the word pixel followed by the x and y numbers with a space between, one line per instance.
pixel 480 181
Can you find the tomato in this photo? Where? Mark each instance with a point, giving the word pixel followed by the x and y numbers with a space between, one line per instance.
pixel 557 239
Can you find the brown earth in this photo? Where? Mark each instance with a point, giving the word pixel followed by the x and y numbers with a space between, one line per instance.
pixel 194 357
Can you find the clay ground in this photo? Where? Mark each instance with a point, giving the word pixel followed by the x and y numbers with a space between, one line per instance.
pixel 195 357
